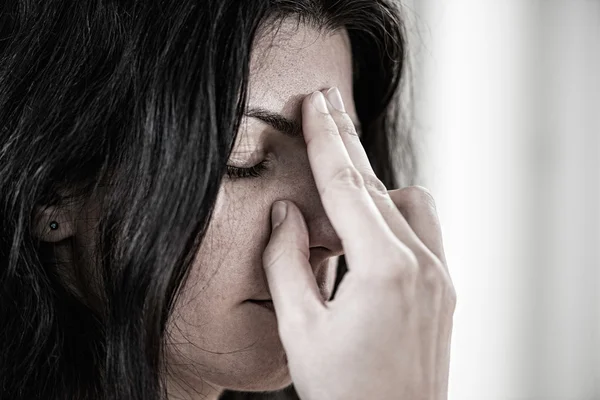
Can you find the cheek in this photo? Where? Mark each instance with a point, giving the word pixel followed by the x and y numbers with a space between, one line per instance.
pixel 230 342
pixel 228 268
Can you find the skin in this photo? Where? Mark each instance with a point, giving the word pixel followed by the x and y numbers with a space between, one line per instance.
pixel 386 335
pixel 338 349
pixel 219 340
pixel 216 318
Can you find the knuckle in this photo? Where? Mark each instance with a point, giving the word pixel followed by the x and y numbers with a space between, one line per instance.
pixel 419 194
pixel 329 126
pixel 451 298
pixel 348 177
pixel 283 252
pixel 410 261
pixel 435 279
pixel 404 266
pixel 272 256
pixel 433 274
pixel 375 186
pixel 347 127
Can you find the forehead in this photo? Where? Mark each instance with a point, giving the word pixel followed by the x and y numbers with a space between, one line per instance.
pixel 295 61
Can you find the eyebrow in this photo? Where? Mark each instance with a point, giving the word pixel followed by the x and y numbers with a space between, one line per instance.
pixel 289 127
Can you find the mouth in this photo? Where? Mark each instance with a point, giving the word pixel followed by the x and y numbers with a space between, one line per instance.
pixel 268 304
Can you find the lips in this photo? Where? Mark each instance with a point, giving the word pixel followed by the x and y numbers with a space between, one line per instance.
pixel 268 304
pixel 321 274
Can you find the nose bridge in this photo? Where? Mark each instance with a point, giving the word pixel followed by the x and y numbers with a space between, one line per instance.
pixel 320 229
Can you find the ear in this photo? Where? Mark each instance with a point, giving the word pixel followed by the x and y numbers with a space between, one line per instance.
pixel 47 217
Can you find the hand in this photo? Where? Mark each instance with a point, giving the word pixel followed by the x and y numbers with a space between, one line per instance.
pixel 386 335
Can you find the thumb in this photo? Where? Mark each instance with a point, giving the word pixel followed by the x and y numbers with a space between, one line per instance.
pixel 291 281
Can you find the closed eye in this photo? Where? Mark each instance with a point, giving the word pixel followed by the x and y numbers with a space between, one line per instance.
pixel 251 172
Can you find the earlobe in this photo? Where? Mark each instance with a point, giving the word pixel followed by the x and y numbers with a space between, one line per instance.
pixel 52 224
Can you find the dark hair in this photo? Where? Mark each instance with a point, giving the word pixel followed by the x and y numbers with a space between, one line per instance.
pixel 142 99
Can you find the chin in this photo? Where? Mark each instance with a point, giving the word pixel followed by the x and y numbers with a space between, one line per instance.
pixel 269 382
pixel 261 363
pixel 247 355
pixel 264 372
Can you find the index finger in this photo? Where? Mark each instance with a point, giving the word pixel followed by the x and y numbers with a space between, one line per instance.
pixel 353 214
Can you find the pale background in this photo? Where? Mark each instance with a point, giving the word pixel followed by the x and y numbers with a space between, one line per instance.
pixel 507 96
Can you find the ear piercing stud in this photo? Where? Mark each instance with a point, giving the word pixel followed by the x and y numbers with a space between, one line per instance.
pixel 54 225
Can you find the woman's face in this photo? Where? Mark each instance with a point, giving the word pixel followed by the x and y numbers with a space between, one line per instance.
pixel 218 339
pixel 231 342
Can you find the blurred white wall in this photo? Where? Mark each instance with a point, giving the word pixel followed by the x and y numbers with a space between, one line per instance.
pixel 508 107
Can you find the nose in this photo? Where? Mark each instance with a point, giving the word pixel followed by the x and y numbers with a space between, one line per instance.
pixel 323 240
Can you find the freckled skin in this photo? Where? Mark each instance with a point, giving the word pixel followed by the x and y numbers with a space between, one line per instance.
pixel 217 340
pixel 214 316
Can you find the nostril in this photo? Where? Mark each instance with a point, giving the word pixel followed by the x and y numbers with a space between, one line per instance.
pixel 318 254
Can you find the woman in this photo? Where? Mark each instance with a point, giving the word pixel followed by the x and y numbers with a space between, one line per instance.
pixel 143 146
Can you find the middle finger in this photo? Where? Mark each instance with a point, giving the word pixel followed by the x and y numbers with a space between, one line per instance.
pixel 377 190
pixel 352 212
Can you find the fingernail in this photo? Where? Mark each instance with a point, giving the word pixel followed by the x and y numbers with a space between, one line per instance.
pixel 335 98
pixel 278 213
pixel 318 101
